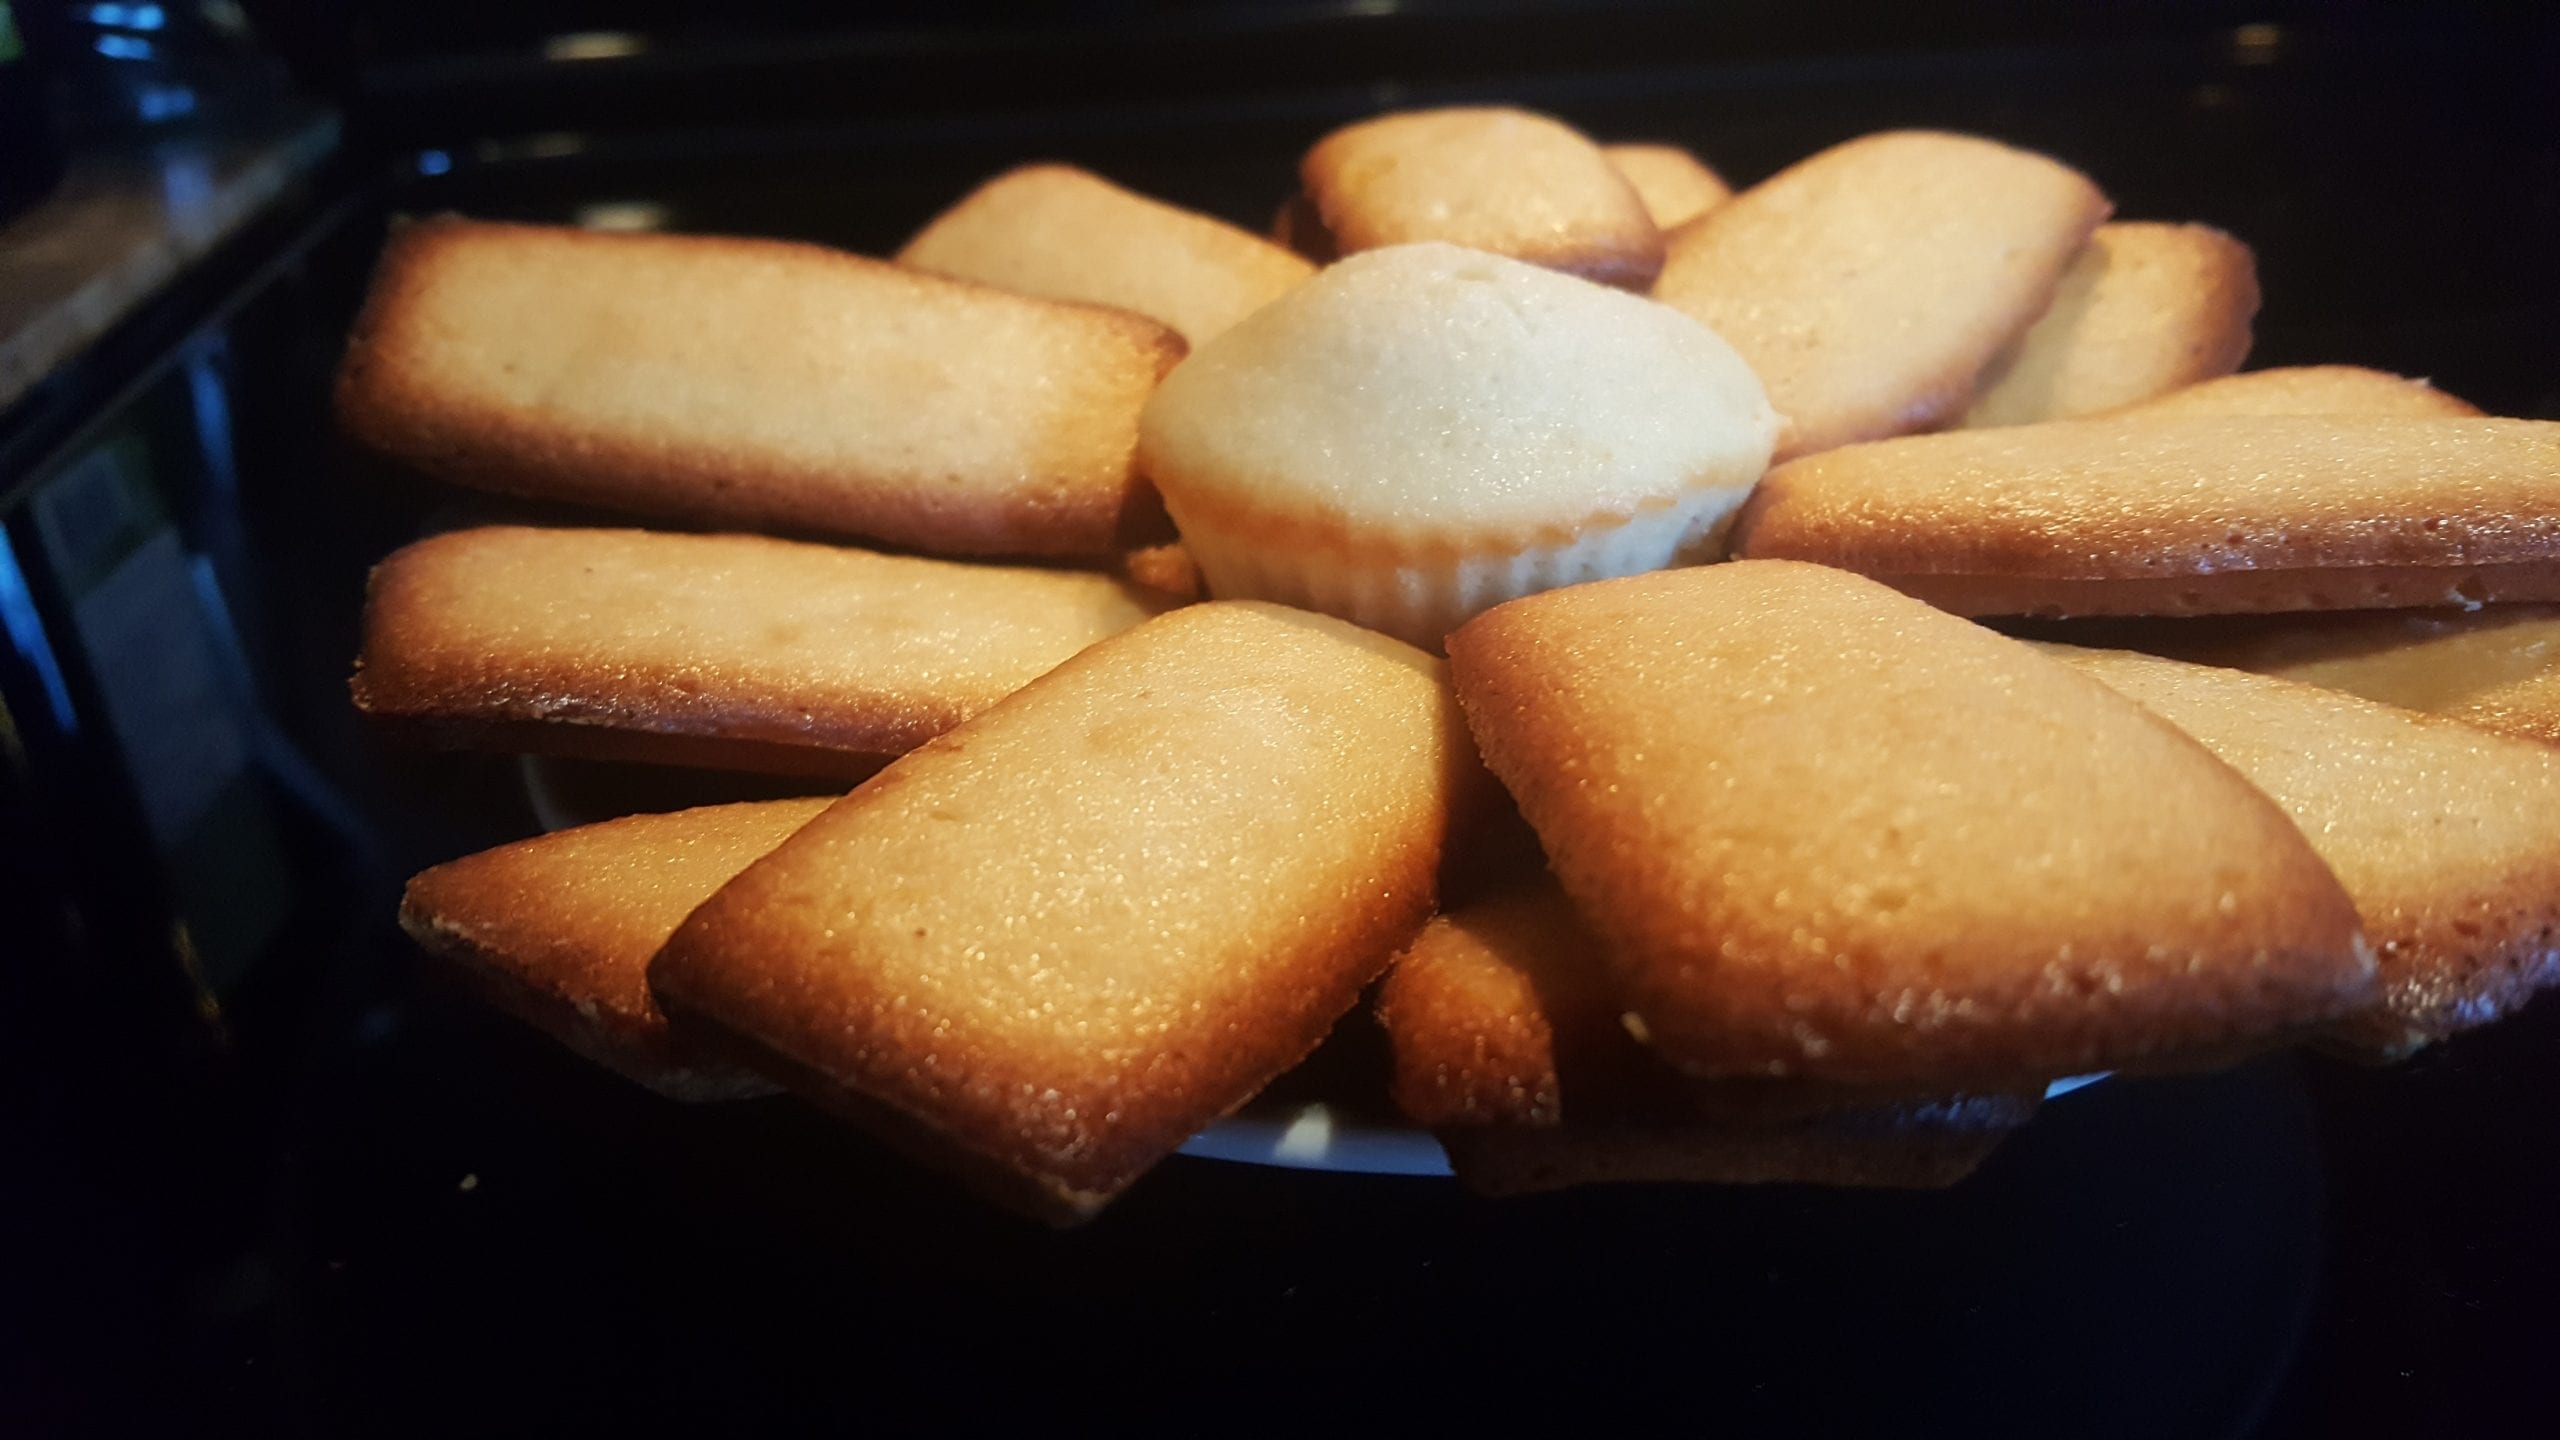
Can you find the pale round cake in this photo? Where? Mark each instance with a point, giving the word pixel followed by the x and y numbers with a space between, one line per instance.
pixel 1422 432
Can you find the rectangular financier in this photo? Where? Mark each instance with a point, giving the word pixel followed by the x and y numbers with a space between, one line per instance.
pixel 754 383
pixel 558 929
pixel 2137 515
pixel 1046 948
pixel 733 651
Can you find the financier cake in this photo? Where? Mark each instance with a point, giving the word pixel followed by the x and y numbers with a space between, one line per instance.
pixel 1423 431
pixel 1826 831
pixel 2146 309
pixel 2496 668
pixel 1508 1046
pixel 558 930
pixel 731 651
pixel 2447 839
pixel 754 383
pixel 1871 284
pixel 1044 949
pixel 2135 515
pixel 1069 234
pixel 1490 178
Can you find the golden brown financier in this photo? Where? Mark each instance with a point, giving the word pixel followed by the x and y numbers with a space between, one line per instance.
pixel 1507 1045
pixel 1069 234
pixel 2495 668
pixel 2447 839
pixel 1871 284
pixel 729 651
pixel 754 383
pixel 1487 178
pixel 2206 515
pixel 2145 309
pixel 558 930
pixel 1046 948
pixel 1824 830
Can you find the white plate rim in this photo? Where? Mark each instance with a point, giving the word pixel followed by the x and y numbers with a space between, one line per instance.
pixel 1315 1136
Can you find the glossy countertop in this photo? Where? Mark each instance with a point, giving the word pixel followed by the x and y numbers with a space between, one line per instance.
pixel 131 215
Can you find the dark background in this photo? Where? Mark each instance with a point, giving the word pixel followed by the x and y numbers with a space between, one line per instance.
pixel 323 1196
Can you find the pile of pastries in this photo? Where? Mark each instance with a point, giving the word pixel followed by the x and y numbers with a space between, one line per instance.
pixel 1539 588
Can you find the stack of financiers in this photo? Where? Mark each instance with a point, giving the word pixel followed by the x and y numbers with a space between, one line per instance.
pixel 1540 588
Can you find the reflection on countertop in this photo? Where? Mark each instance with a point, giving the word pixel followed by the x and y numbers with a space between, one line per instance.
pixel 127 219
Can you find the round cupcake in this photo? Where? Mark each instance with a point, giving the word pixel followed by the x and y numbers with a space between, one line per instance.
pixel 1422 432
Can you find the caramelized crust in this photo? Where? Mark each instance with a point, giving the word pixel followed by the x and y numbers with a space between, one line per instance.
pixel 2496 668
pixel 1827 831
pixel 2145 309
pixel 754 383
pixel 2182 515
pixel 1051 945
pixel 1508 1044
pixel 2447 839
pixel 1871 284
pixel 732 651
pixel 558 930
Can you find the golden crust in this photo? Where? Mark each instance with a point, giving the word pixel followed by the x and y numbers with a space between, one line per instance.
pixel 2236 592
pixel 2185 514
pixel 2447 839
pixel 1827 831
pixel 2145 309
pixel 1675 185
pixel 2310 390
pixel 754 383
pixel 1871 284
pixel 732 651
pixel 1059 940
pixel 2495 669
pixel 558 930
pixel 577 740
pixel 1507 1044
pixel 1068 234
pixel 1492 178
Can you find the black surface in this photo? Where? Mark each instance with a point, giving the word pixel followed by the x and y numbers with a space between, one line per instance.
pixel 261 1224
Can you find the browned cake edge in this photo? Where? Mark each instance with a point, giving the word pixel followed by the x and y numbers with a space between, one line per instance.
pixel 650 1055
pixel 2238 592
pixel 2321 968
pixel 1550 1090
pixel 1052 1198
pixel 1047 1199
pixel 388 417
pixel 591 738
pixel 2460 960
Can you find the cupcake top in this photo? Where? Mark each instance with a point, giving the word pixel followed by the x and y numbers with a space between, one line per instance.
pixel 1435 394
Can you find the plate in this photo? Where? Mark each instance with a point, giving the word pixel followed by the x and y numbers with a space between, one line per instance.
pixel 1320 1136
pixel 1290 1134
